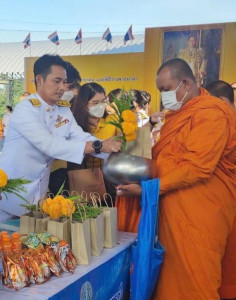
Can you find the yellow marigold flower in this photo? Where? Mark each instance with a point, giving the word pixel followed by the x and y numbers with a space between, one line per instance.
pixel 3 178
pixel 130 137
pixel 128 116
pixel 128 128
pixel 46 204
pixel 55 210
pixel 58 199
pixel 67 207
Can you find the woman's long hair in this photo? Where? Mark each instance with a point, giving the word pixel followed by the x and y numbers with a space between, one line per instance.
pixel 80 110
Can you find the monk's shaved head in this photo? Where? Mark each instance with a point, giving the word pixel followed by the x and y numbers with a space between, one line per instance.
pixel 179 69
pixel 220 89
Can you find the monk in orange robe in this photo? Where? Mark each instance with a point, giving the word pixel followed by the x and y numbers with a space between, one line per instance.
pixel 196 163
pixel 225 92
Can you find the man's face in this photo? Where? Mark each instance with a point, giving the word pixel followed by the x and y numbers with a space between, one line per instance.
pixel 234 87
pixel 191 42
pixel 165 82
pixel 52 88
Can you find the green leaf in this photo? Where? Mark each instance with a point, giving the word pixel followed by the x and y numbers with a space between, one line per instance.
pixel 120 137
pixel 118 125
pixel 61 188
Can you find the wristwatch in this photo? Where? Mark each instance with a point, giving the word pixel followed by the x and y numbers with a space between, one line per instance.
pixel 97 145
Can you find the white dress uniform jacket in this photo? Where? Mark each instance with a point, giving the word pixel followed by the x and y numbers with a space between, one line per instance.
pixel 5 122
pixel 37 134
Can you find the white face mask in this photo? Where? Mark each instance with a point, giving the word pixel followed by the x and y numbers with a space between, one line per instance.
pixel 97 110
pixel 169 99
pixel 68 95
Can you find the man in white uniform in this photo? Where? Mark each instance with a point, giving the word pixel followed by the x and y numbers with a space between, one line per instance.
pixel 43 128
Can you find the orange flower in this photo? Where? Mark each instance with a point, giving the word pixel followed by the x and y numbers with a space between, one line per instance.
pixel 55 210
pixel 46 204
pixel 3 178
pixel 130 137
pixel 67 207
pixel 58 198
pixel 128 116
pixel 128 128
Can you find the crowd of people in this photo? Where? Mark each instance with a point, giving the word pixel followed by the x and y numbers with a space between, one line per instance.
pixel 194 146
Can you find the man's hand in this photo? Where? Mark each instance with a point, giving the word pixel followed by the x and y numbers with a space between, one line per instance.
pixel 129 190
pixel 111 145
pixel 156 117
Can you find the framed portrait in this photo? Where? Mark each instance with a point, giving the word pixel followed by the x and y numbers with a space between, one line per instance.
pixel 200 48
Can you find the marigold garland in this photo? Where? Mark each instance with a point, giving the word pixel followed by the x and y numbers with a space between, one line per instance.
pixel 58 207
pixel 126 118
pixel 129 116
pixel 46 204
pixel 55 210
pixel 131 137
pixel 128 128
pixel 12 186
pixel 3 178
pixel 67 207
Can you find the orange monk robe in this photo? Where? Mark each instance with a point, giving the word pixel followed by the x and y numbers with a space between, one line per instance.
pixel 228 284
pixel 196 162
pixel 128 213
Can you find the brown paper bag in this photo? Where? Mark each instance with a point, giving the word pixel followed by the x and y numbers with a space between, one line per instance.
pixel 81 241
pixel 110 227
pixel 97 234
pixel 88 180
pixel 142 146
pixel 41 224
pixel 61 229
pixel 27 223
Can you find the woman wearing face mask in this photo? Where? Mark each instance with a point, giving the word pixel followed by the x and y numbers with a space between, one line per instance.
pixel 90 113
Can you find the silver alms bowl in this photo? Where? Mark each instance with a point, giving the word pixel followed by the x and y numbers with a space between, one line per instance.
pixel 122 168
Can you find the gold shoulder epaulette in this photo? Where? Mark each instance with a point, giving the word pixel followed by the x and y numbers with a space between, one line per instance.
pixel 35 102
pixel 63 103
pixel 143 116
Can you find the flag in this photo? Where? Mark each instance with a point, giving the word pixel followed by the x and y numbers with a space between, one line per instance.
pixel 107 35
pixel 78 38
pixel 54 38
pixel 27 41
pixel 129 35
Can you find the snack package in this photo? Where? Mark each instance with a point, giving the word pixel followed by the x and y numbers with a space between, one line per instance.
pixel 44 238
pixel 47 238
pixel 6 278
pixel 32 241
pixel 16 272
pixel 28 268
pixel 52 262
pixel 64 256
pixel 38 264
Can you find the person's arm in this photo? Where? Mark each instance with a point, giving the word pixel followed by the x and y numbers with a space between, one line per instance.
pixel 27 122
pixel 197 159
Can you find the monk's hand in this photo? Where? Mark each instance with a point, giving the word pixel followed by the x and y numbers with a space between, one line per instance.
pixel 111 145
pixel 157 117
pixel 129 190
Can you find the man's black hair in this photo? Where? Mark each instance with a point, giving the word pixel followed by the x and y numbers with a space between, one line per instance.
pixel 221 88
pixel 9 108
pixel 73 75
pixel 43 65
pixel 179 69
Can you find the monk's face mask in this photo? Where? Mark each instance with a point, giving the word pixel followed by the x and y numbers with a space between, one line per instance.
pixel 169 99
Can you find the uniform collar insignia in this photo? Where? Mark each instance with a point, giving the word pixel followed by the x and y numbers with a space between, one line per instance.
pixel 59 118
pixel 63 103
pixel 35 102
